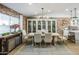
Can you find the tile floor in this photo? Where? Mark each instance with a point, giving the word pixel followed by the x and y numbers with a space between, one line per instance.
pixel 51 50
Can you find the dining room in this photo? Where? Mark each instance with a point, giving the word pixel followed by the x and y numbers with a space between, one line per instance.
pixel 39 29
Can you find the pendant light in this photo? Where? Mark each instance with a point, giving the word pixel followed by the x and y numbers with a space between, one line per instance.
pixel 42 12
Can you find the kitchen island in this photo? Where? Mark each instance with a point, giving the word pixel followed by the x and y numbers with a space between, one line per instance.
pixel 74 36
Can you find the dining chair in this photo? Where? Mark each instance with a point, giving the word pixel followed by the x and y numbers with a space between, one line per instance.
pixel 37 39
pixel 39 31
pixel 24 35
pixel 66 33
pixel 48 38
pixel 61 39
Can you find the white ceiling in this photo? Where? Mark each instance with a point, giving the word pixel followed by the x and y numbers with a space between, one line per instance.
pixel 56 9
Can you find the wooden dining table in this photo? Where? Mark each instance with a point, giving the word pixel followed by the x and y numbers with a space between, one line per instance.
pixel 53 34
pixel 43 36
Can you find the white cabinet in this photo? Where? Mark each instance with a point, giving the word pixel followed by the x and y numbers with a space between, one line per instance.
pixel 41 24
pixel 77 37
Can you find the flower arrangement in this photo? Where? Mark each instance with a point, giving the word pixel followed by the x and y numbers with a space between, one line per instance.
pixel 15 26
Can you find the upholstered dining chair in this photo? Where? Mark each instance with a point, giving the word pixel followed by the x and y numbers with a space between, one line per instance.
pixel 25 37
pixel 37 39
pixel 66 33
pixel 48 38
pixel 39 31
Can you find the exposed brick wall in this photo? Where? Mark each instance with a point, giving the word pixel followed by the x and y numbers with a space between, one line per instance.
pixel 62 23
pixel 25 23
pixel 8 11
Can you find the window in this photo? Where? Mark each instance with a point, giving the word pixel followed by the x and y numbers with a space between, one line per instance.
pixel 13 21
pixel 4 23
pixel 34 26
pixel 53 26
pixel 49 26
pixel 39 25
pixel 43 25
pixel 29 26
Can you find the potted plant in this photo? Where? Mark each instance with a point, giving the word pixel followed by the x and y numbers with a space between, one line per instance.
pixel 7 33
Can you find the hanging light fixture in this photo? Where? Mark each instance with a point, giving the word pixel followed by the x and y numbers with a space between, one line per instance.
pixel 74 16
pixel 42 12
pixel 71 14
pixel 75 13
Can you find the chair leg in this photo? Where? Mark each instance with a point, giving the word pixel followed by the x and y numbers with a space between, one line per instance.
pixel 32 42
pixel 35 44
pixel 40 44
pixel 50 44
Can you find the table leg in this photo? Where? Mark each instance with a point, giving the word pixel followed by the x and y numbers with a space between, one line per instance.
pixel 32 40
pixel 53 38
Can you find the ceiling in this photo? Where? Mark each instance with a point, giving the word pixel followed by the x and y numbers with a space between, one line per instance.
pixel 51 9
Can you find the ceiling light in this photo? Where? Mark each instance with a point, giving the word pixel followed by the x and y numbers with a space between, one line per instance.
pixel 66 9
pixel 30 3
pixel 49 10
